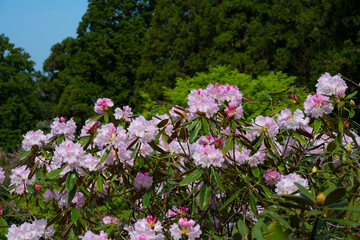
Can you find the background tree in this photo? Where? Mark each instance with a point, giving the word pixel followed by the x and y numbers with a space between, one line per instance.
pixel 102 60
pixel 19 105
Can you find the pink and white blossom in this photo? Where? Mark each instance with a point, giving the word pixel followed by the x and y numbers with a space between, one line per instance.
pixel 142 180
pixel 286 184
pixel 186 228
pixel 102 105
pixel 31 231
pixel 272 177
pixel 287 120
pixel 123 114
pixel 329 85
pixel 59 126
pixel 317 105
pixel 33 138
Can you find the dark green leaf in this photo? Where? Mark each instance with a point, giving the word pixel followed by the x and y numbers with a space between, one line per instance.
pixel 206 126
pixel 70 181
pixel 106 117
pixel 94 119
pixel 75 215
pixel 232 198
pixel 192 177
pixel 255 171
pixel 146 198
pixel 204 196
pixel 24 155
pixel 242 228
pixel 104 156
pixel 194 132
pixel 217 179
pixel 305 192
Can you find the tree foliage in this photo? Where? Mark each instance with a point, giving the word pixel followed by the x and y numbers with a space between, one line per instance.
pixel 19 108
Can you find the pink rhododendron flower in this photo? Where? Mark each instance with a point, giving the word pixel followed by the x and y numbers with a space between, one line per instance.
pixel 201 104
pixel 287 120
pixel 102 105
pixel 31 231
pixel 38 187
pixel 174 211
pixel 329 85
pixel 263 125
pixel 186 228
pixel 70 153
pixel 92 236
pixel 58 127
pixel 272 177
pixel 286 184
pixel 148 228
pixel 19 177
pixel 105 135
pixel 317 105
pixel 90 128
pixel 142 180
pixel 33 138
pixel 233 111
pixel 123 114
pixel 143 129
pixel 207 155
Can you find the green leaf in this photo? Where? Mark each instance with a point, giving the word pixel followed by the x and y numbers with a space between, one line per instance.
pixel 257 234
pixel 54 173
pixel 305 191
pixel 232 198
pixel 125 214
pixel 195 132
pixel 101 227
pixel 111 229
pixel 70 181
pixel 60 138
pixel 94 119
pixel 24 155
pixel 229 145
pixel 342 221
pixel 317 125
pixel 146 198
pixel 299 138
pixel 335 196
pixel 351 95
pixel 106 117
pixel 84 140
pixel 280 219
pixel 41 202
pixel 255 171
pixel 298 199
pixel 253 205
pixel 192 177
pixel 217 179
pixel 104 156
pixel 331 147
pixel 242 228
pixel 75 215
pixel 71 195
pixel 204 196
pixel 205 125
pixel 351 113
pixel 100 184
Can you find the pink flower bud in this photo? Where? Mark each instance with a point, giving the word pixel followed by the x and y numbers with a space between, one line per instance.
pixel 38 187
pixel 62 119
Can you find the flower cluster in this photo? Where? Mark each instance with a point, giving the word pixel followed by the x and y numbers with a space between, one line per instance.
pixel 142 180
pixel 20 177
pixel 186 228
pixel 92 236
pixel 146 228
pixel 33 138
pixel 102 105
pixel 328 85
pixel 31 231
pixel 286 184
pixel 60 126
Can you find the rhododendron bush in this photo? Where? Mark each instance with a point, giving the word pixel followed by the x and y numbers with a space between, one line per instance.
pixel 201 172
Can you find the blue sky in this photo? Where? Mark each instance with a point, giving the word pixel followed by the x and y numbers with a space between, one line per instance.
pixel 36 25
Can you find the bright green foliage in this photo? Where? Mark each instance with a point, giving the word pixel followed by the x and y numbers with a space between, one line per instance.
pixel 19 108
pixel 250 87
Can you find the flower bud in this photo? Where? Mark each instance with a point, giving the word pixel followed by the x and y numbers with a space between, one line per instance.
pixel 341 96
pixel 320 199
pixel 62 119
pixel 348 148
pixel 346 124
pixel 352 103
pixel 337 101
